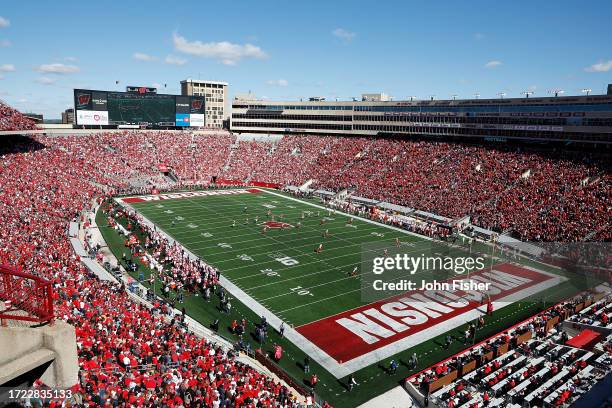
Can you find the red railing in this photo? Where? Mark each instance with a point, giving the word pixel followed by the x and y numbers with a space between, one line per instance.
pixel 26 297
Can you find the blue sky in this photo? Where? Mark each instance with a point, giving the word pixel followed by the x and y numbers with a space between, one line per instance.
pixel 288 50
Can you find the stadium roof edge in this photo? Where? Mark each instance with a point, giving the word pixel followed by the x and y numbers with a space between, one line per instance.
pixel 189 80
pixel 447 102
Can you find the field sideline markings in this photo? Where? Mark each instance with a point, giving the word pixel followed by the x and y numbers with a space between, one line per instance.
pixel 309 255
pixel 353 216
pixel 318 354
pixel 308 347
pixel 309 287
pixel 282 243
pixel 323 284
pixel 212 226
pixel 188 231
pixel 302 264
pixel 314 273
pixel 310 237
pixel 306 245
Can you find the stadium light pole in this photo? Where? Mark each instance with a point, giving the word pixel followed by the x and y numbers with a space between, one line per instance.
pixel 556 92
pixel 501 95
pixel 432 97
pixel 586 91
pixel 477 95
pixel 454 96
pixel 527 93
pixel 412 98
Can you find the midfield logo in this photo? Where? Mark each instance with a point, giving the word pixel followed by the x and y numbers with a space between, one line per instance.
pixel 276 225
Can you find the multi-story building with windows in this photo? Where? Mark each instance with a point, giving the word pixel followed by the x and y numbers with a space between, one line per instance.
pixel 567 119
pixel 68 116
pixel 216 97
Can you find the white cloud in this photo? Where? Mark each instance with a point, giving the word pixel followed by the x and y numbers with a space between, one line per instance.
pixel 156 85
pixel 493 64
pixel 141 56
pixel 45 80
pixel 58 68
pixel 7 68
pixel 344 34
pixel 224 51
pixel 71 59
pixel 4 22
pixel 603 66
pixel 174 60
pixel 277 82
pixel 5 43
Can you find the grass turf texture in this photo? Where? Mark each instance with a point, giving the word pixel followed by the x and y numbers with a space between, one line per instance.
pixel 206 222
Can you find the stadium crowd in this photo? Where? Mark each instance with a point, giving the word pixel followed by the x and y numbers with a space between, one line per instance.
pixel 536 195
pixel 128 355
pixel 540 196
pixel 12 119
pixel 133 355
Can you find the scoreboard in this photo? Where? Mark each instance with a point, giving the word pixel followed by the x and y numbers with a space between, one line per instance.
pixel 140 106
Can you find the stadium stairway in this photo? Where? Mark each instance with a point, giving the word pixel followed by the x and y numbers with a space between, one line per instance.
pixel 341 195
pixel 306 185
pixel 171 177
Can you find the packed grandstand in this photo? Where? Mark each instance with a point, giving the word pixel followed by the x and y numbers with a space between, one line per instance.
pixel 133 353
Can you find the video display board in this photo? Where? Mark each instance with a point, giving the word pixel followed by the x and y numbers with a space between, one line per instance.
pixel 136 108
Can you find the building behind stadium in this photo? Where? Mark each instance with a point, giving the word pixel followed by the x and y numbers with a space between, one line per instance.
pixel 216 97
pixel 582 119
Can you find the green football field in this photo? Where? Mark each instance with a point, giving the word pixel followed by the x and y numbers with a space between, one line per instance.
pixel 279 270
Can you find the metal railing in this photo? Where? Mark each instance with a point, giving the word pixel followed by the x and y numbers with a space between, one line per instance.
pixel 26 297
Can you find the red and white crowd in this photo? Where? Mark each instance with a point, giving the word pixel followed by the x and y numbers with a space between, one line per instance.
pixel 131 355
pixel 128 355
pixel 537 195
pixel 12 119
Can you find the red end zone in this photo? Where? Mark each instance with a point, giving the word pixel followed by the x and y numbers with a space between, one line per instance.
pixel 188 194
pixel 356 332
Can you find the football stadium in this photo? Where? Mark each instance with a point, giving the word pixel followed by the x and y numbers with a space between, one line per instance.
pixel 167 245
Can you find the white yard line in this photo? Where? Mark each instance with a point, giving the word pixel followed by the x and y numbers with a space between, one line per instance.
pixel 302 263
pixel 352 216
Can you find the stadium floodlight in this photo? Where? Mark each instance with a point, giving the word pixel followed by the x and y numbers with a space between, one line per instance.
pixel 412 98
pixel 586 91
pixel 527 93
pixel 477 95
pixel 454 96
pixel 556 92
pixel 432 97
pixel 501 95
